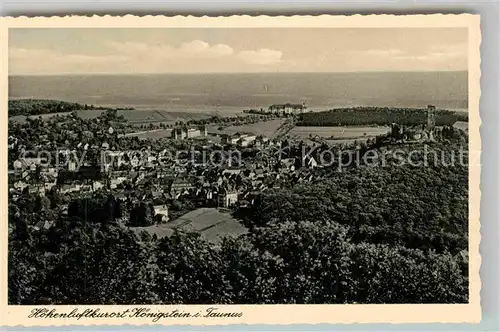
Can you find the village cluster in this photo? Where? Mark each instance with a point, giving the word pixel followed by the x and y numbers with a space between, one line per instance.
pixel 74 157
pixel 77 157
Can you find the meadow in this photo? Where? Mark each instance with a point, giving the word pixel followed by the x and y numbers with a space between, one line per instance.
pixel 211 223
pixel 145 117
pixel 266 128
pixel 337 133
pixel 22 118
pixel 153 134
pixel 462 125
pixel 134 117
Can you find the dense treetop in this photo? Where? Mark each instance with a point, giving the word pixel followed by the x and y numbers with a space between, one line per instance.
pixel 44 106
pixel 383 116
pixel 365 234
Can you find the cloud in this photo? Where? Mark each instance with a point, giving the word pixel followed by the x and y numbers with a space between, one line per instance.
pixel 192 49
pixel 384 52
pixel 456 49
pixel 201 48
pixel 441 52
pixel 198 56
pixel 35 61
pixel 264 56
pixel 438 53
pixel 140 57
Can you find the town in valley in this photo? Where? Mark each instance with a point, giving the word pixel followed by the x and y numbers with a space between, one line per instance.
pixel 172 166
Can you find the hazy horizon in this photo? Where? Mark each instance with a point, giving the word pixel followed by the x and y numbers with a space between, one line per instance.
pixel 231 91
pixel 244 73
pixel 235 50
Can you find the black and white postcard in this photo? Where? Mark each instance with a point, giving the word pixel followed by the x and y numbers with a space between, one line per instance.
pixel 240 170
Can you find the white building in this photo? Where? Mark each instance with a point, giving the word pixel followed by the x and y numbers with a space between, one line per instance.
pixel 227 199
pixel 287 108
pixel 246 140
pixel 96 185
pixel 161 212
pixel 71 166
pixel 240 139
pixel 184 133
pixel 309 162
pixel 116 181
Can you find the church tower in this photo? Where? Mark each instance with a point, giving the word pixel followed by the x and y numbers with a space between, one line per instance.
pixel 431 116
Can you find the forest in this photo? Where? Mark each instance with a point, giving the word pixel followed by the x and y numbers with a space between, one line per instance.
pixel 414 207
pixel 383 234
pixel 29 107
pixel 382 116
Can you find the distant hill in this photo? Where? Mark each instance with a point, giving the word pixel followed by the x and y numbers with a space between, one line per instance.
pixel 27 107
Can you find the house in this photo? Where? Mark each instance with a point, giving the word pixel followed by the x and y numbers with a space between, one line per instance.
pixel 260 141
pixel 285 165
pixel 227 198
pixel 246 140
pixel 116 181
pixel 231 171
pixel 69 188
pixel 87 134
pixel 28 163
pixel 287 108
pixel 20 185
pixel 231 139
pixel 49 181
pixel 18 165
pixel 96 185
pixel 50 171
pixel 161 212
pixel 180 185
pixel 184 133
pixel 37 189
pixel 86 188
pixel 309 162
pixel 72 166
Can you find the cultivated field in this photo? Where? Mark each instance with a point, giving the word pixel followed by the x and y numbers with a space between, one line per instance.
pixel 266 128
pixel 89 114
pixel 211 223
pixel 154 134
pixel 462 125
pixel 22 118
pixel 135 117
pixel 84 114
pixel 145 117
pixel 338 132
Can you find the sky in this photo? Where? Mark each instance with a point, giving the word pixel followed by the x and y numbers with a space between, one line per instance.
pixel 44 51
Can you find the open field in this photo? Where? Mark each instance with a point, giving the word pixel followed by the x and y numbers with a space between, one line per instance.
pixel 266 128
pixel 462 125
pixel 89 114
pixel 337 132
pixel 136 117
pixel 346 141
pixel 211 223
pixel 84 114
pixel 22 118
pixel 154 134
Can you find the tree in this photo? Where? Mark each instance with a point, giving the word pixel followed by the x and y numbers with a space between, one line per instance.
pixel 142 214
